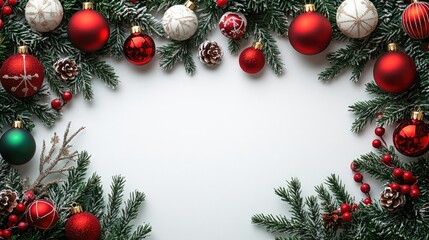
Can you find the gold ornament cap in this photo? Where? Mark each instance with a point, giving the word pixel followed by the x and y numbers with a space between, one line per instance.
pixel 417 115
pixel 392 47
pixel 75 209
pixel 136 29
pixel 309 7
pixel 258 45
pixel 191 5
pixel 17 124
pixel 87 6
pixel 23 49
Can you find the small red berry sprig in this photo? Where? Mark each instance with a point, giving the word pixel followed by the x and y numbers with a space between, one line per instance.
pixel 364 187
pixel 15 222
pixel 6 9
pixel 56 103
pixel 346 211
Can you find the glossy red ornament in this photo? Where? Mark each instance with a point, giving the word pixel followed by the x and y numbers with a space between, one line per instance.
pixel 233 25
pixel 82 225
pixel 415 20
pixel 42 214
pixel 310 33
pixel 347 217
pixel 252 59
pixel 394 71
pixel 365 188
pixel 411 138
pixel 22 74
pixel 139 48
pixel 88 30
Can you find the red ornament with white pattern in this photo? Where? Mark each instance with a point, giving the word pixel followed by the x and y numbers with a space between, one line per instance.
pixel 42 214
pixel 233 25
pixel 22 74
pixel 411 138
pixel 415 20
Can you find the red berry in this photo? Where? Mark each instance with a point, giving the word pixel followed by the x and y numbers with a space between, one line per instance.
pixel 395 187
pixel 376 143
pixel 20 208
pixel 398 173
pixel 347 217
pixel 365 188
pixel 133 1
pixel 56 104
pixel 66 96
pixel 387 159
pixel 415 193
pixel 408 176
pixel 7 10
pixel 379 131
pixel 7 234
pixel 405 189
pixel 12 2
pixel 1 3
pixel 1 233
pixel 221 3
pixel 367 201
pixel 414 186
pixel 13 219
pixel 345 208
pixel 22 226
pixel 353 167
pixel 1 23
pixel 354 206
pixel 358 177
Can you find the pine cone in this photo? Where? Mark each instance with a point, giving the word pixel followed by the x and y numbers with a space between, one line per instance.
pixel 7 201
pixel 332 220
pixel 210 53
pixel 392 201
pixel 66 69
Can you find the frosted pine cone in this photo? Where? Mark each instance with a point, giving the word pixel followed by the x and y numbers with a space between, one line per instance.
pixel 210 53
pixel 392 201
pixel 66 69
pixel 8 201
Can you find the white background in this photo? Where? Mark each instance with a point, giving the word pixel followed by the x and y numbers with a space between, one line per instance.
pixel 209 149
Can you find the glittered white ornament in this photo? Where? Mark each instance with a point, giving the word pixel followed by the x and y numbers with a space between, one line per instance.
pixel 180 21
pixel 44 15
pixel 357 18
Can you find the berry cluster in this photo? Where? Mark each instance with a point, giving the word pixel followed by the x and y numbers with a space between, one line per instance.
pixel 409 186
pixel 346 211
pixel 15 222
pixel 66 96
pixel 6 9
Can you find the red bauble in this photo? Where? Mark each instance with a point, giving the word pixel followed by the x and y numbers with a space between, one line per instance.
pixel 310 33
pixel 415 20
pixel 233 25
pixel 88 30
pixel 139 48
pixel 411 137
pixel 394 71
pixel 82 226
pixel 22 74
pixel 42 214
pixel 252 59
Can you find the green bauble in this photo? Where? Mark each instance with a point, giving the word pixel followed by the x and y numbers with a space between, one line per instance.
pixel 17 146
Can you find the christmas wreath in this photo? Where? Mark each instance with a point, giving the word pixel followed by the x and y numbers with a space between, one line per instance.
pixel 60 48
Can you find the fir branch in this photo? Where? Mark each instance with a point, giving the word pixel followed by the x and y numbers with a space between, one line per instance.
pixel 339 190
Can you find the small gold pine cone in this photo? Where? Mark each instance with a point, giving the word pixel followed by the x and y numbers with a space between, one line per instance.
pixel 392 201
pixel 210 53
pixel 66 69
pixel 8 201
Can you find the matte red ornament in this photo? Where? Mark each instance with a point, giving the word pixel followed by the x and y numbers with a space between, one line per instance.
pixel 88 30
pixel 411 138
pixel 252 59
pixel 415 20
pixel 394 71
pixel 233 25
pixel 139 48
pixel 82 225
pixel 22 74
pixel 42 214
pixel 310 33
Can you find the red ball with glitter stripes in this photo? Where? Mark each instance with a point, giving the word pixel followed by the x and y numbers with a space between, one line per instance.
pixel 42 214
pixel 415 20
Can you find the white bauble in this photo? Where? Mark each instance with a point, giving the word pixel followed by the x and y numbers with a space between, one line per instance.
pixel 357 18
pixel 44 15
pixel 180 22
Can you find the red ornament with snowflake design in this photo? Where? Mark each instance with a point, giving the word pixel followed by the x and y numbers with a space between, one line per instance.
pixel 233 25
pixel 22 74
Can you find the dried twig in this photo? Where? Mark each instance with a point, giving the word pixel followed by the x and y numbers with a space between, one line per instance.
pixel 49 163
